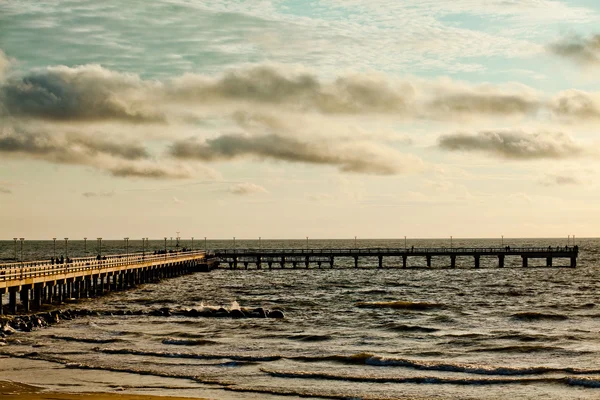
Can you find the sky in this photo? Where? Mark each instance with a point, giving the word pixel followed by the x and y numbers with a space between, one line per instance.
pixel 287 119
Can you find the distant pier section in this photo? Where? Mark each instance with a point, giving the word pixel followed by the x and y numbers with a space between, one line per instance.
pixel 286 258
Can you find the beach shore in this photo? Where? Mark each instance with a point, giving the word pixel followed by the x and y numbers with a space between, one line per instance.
pixel 19 391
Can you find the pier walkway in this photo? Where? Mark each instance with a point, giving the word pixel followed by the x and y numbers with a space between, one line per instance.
pixel 39 282
pixel 294 257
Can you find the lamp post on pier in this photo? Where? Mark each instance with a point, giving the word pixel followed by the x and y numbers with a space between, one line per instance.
pixel 66 249
pixel 165 247
pixel 405 243
pixel 502 240
pixel 99 246
pixel 192 243
pixel 450 241
pixel 307 243
pixel 205 248
pixel 21 239
pixel 54 248
pixel 126 249
pixel 85 245
pixel 234 243
pixel 259 244
pixel 355 242
pixel 15 239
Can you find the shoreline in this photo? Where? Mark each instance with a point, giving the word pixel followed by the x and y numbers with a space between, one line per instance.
pixel 11 390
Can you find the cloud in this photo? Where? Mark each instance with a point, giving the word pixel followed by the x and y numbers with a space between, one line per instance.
pixel 244 189
pixel 366 158
pixel 559 180
pixel 5 191
pixel 473 103
pixel 119 159
pixel 70 148
pixel 514 145
pixel 5 64
pixel 98 194
pixel 91 93
pixel 576 105
pixel 584 51
pixel 84 93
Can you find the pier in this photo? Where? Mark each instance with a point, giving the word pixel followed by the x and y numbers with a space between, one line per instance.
pixel 282 258
pixel 47 282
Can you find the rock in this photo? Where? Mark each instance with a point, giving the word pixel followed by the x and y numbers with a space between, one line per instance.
pixel 275 314
pixel 260 312
pixel 237 314
pixel 8 330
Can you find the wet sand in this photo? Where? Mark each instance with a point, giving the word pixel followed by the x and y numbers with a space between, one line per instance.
pixel 20 391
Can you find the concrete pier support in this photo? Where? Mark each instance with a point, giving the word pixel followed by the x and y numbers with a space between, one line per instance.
pixel 25 299
pixel 477 264
pixel 37 297
pixel 501 261
pixel 331 261
pixel 428 258
pixel 235 262
pixel 270 264
pixel 282 262
pixel 1 308
pixel 380 261
pixel 549 262
pixel 306 262
pixel 355 261
pixel 452 261
pixel 573 262
pixel 319 264
pixel 258 263
pixel 245 264
pixel 12 300
pixel 404 261
pixel 525 261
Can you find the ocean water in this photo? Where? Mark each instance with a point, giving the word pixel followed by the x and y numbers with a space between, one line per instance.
pixel 371 334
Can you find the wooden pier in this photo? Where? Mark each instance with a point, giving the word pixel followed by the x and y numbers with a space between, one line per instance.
pixel 281 258
pixel 39 282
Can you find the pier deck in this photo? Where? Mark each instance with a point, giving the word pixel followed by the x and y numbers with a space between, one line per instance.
pixel 283 257
pixel 46 282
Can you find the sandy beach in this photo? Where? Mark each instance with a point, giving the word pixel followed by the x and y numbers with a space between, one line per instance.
pixel 10 390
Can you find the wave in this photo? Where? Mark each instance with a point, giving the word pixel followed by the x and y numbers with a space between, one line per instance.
pixel 402 305
pixel 518 349
pixel 409 328
pixel 433 380
pixel 368 359
pixel 310 338
pixel 538 316
pixel 85 340
pixel 189 342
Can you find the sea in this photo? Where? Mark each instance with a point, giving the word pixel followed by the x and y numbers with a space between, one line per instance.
pixel 366 333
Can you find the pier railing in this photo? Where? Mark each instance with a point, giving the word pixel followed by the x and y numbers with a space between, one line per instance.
pixel 14 271
pixel 410 250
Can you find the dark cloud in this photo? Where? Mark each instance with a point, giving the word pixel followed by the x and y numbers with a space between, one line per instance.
pixel 374 160
pixel 86 93
pixel 149 171
pixel 98 194
pixel 351 94
pixel 514 145
pixel 70 148
pixel 576 105
pixel 120 159
pixel 579 49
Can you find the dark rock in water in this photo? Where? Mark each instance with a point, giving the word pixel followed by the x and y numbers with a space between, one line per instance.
pixel 275 314
pixel 260 312
pixel 8 330
pixel 156 313
pixel 193 313
pixel 237 314
pixel 221 313
pixel 166 311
